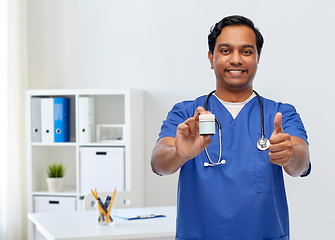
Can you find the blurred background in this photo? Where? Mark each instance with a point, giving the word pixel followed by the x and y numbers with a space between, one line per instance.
pixel 160 46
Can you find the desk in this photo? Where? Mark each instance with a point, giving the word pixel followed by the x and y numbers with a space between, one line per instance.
pixel 83 225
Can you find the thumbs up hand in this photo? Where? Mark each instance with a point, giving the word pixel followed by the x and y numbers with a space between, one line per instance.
pixel 281 146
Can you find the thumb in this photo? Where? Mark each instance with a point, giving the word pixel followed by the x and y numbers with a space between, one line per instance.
pixel 207 140
pixel 277 124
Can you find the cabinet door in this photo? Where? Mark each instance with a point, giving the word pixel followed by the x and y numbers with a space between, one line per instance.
pixel 101 169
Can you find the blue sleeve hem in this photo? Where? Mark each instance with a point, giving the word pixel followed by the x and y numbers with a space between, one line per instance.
pixel 308 171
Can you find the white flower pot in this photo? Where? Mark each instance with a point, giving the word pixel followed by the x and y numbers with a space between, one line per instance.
pixel 55 184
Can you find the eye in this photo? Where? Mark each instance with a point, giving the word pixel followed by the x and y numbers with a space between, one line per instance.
pixel 247 52
pixel 224 50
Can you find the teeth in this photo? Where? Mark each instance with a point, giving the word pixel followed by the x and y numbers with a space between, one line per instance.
pixel 235 71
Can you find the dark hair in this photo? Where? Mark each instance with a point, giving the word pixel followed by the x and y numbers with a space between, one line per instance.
pixel 229 21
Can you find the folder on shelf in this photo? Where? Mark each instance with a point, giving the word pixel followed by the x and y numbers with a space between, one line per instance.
pixel 47 120
pixel 86 119
pixel 62 119
pixel 36 119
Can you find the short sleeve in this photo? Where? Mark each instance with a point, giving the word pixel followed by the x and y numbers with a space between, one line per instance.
pixel 308 171
pixel 178 114
pixel 293 125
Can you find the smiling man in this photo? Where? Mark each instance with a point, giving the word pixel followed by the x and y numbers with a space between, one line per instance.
pixel 234 60
pixel 231 184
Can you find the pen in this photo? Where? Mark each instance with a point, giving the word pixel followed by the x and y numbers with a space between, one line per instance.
pixel 101 209
pixel 111 203
pixel 96 198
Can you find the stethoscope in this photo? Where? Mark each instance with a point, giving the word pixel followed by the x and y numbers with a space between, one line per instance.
pixel 262 144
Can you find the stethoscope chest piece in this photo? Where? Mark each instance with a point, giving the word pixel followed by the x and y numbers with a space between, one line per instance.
pixel 263 144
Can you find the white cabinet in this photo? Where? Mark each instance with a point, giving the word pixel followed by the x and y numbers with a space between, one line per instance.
pixel 101 168
pixel 105 107
pixel 52 204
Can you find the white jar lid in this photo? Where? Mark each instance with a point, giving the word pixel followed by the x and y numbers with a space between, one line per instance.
pixel 206 118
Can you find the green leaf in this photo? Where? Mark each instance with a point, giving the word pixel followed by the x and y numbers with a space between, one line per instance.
pixel 56 170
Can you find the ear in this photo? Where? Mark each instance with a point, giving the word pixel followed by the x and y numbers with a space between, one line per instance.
pixel 210 57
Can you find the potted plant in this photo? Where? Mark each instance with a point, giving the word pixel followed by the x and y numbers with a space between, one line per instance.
pixel 55 177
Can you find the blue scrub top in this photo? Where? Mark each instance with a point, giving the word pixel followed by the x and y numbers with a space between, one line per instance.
pixel 245 197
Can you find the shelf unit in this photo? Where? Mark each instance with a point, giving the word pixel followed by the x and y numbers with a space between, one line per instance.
pixel 112 106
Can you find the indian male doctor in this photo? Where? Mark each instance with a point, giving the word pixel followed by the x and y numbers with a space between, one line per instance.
pixel 231 183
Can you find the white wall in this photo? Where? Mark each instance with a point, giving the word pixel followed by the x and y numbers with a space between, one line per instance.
pixel 160 46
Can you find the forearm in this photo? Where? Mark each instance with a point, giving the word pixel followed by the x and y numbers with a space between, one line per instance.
pixel 165 160
pixel 171 153
pixel 299 162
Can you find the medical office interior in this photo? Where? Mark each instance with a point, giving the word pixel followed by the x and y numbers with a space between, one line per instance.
pixel 160 47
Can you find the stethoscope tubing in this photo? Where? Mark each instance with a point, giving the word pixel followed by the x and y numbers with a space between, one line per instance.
pixel 262 112
pixel 260 102
pixel 206 103
pixel 262 144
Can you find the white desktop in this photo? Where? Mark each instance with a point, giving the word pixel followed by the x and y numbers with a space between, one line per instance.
pixel 83 225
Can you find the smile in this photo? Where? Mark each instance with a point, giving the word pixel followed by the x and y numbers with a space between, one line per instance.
pixel 235 71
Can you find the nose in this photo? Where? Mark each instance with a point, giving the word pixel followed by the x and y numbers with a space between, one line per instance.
pixel 235 58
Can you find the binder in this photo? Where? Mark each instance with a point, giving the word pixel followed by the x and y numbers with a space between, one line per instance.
pixel 36 119
pixel 86 119
pixel 47 120
pixel 62 119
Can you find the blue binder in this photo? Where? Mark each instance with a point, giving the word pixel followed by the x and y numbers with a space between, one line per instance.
pixel 62 119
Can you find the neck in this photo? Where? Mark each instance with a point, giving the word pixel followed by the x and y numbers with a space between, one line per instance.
pixel 229 96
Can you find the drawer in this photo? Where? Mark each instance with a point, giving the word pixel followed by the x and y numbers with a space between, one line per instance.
pixel 54 204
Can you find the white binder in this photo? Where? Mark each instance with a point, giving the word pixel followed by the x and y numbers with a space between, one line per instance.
pixel 36 119
pixel 47 120
pixel 86 119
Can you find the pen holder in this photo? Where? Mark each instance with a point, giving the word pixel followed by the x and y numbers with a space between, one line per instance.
pixel 103 212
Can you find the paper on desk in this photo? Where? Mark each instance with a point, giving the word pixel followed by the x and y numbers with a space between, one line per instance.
pixel 135 213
